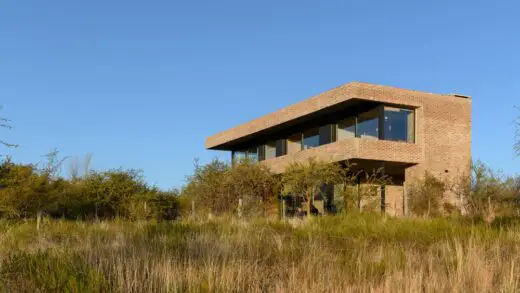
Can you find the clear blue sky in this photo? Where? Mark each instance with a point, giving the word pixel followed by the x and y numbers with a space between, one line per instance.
pixel 142 84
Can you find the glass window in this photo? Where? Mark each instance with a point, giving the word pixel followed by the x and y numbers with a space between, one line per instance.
pixel 368 124
pixel 270 150
pixel 239 156
pixel 252 154
pixel 281 147
pixel 346 128
pixel 311 138
pixel 399 124
pixel 326 135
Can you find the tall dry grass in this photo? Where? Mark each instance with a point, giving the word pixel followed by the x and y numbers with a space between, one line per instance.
pixel 358 253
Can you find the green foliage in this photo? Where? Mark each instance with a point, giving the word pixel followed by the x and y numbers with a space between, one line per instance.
pixel 44 272
pixel 26 192
pixel 361 189
pixel 426 197
pixel 358 252
pixel 255 184
pixel 492 195
pixel 307 178
pixel 207 186
pixel 217 187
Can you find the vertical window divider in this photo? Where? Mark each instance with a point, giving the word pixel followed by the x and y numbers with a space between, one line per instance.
pixel 381 122
pixel 356 125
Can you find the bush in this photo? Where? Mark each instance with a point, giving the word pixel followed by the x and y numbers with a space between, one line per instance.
pixel 427 196
pixel 23 191
pixel 217 187
pixel 489 194
pixel 307 178
pixel 26 192
pixel 207 187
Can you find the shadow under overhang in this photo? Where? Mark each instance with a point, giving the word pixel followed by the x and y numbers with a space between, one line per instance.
pixel 324 116
pixel 395 170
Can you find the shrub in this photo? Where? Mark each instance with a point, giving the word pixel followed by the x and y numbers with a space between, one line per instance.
pixel 307 178
pixel 255 184
pixel 362 189
pixel 26 192
pixel 217 187
pixel 207 187
pixel 427 196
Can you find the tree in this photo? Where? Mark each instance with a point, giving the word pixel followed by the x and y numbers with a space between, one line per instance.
pixel 6 123
pixel 254 184
pixel 427 195
pixel 306 178
pixel 486 191
pixel 358 186
pixel 219 187
pixel 207 186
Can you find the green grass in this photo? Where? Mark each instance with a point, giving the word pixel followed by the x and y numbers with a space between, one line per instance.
pixel 355 253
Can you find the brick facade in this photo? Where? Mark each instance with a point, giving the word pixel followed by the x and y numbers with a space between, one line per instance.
pixel 442 133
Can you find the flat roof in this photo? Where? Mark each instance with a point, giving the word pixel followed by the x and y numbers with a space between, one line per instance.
pixel 346 93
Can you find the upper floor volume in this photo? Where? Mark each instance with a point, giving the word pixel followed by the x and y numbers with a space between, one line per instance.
pixel 360 121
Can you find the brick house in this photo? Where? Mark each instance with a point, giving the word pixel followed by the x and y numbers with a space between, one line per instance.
pixel 405 132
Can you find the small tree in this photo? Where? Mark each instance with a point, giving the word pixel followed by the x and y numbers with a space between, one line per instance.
pixel 254 183
pixel 486 190
pixel 361 185
pixel 208 187
pixel 306 178
pixel 427 195
pixel 6 123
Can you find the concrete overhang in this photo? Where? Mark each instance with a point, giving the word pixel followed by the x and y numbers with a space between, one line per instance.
pixel 348 95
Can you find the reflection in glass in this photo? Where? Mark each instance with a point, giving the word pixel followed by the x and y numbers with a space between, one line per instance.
pixel 311 138
pixel 239 156
pixel 270 150
pixel 346 128
pixel 399 124
pixel 368 124
pixel 252 154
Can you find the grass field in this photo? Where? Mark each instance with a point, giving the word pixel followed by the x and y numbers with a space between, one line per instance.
pixel 357 253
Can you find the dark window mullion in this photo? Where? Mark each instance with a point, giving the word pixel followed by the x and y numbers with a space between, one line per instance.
pixel 381 122
pixel 261 152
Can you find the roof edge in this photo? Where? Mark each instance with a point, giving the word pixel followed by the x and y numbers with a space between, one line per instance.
pixel 339 94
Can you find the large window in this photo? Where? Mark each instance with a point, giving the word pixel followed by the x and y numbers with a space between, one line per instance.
pixel 252 154
pixel 239 156
pixel 346 128
pixel 275 148
pixel 368 124
pixel 311 138
pixel 281 147
pixel 399 124
pixel 381 122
